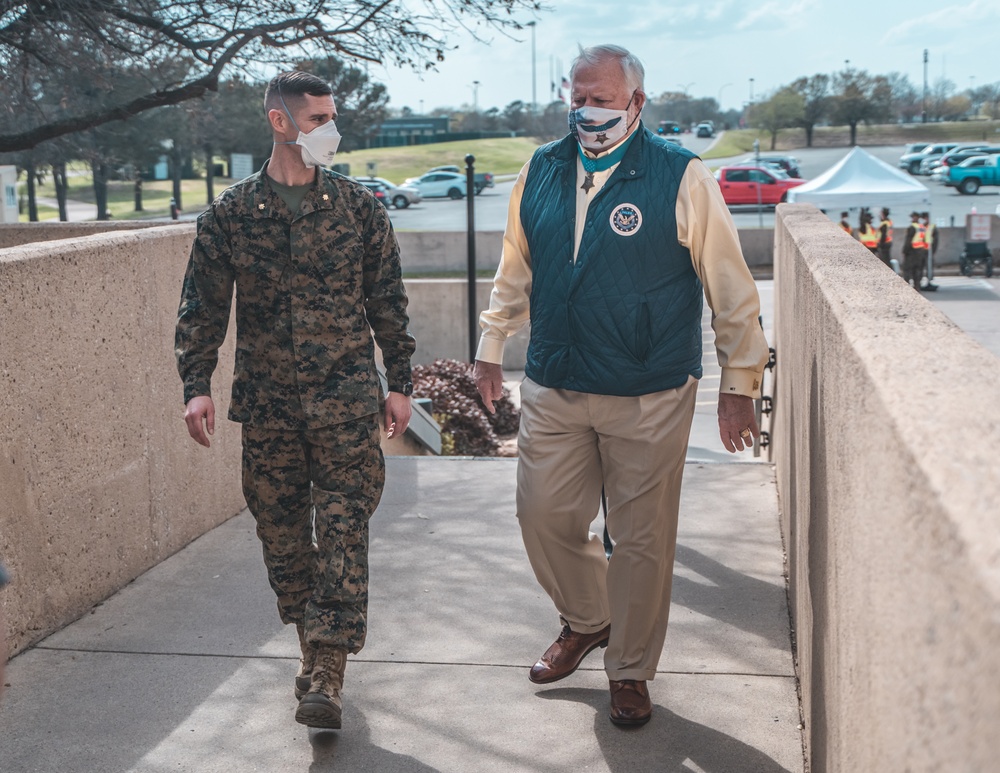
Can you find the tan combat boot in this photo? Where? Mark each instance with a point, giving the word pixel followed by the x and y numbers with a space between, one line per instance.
pixel 321 706
pixel 306 663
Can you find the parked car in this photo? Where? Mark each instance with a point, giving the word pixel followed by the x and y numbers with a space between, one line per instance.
pixel 958 155
pixel 743 184
pixel 969 179
pixel 911 161
pixel 438 184
pixel 668 127
pixel 401 196
pixel 790 164
pixel 379 190
pixel 482 180
pixel 705 129
pixel 915 147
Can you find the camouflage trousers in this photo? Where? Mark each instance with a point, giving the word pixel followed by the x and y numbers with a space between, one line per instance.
pixel 323 484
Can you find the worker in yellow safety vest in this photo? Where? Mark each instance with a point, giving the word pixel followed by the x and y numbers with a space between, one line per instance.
pixel 915 251
pixel 932 245
pixel 867 234
pixel 885 237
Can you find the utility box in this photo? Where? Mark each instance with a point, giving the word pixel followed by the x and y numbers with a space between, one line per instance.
pixel 8 191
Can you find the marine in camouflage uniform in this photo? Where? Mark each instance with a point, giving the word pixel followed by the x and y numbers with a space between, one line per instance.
pixel 312 286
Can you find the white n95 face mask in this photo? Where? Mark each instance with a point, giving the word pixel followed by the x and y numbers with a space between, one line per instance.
pixel 320 145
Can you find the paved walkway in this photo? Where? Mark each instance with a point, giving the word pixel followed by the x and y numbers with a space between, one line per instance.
pixel 189 669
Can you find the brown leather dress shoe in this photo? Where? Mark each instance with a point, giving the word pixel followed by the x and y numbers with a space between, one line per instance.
pixel 630 703
pixel 566 653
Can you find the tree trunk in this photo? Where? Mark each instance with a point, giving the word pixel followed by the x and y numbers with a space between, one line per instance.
pixel 209 173
pixel 59 179
pixel 854 133
pixel 137 190
pixel 774 138
pixel 809 136
pixel 32 200
pixel 100 171
pixel 175 158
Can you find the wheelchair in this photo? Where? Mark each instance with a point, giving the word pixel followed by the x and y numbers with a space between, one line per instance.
pixel 976 253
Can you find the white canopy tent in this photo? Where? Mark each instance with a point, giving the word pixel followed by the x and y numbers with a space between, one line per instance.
pixel 861 180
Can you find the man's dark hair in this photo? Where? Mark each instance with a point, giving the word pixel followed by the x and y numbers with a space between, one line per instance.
pixel 292 86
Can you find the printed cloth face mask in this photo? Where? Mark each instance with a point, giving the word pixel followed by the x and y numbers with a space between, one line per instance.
pixel 598 128
pixel 318 146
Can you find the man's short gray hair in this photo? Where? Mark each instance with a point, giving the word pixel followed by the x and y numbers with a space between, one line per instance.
pixel 635 73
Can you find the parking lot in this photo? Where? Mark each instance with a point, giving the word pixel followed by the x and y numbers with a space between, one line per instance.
pixel 947 205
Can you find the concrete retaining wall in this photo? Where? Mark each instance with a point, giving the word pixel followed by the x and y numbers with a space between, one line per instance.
pixel 886 435
pixel 438 252
pixel 98 478
pixel 435 252
pixel 15 234
pixel 439 321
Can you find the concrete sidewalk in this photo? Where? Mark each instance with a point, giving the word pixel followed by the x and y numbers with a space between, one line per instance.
pixel 189 669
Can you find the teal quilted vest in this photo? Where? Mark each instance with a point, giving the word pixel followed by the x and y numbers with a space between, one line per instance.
pixel 625 319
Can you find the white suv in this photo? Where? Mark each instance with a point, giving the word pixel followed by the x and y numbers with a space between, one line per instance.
pixel 911 161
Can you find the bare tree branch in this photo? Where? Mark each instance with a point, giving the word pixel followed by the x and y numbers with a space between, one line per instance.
pixel 47 38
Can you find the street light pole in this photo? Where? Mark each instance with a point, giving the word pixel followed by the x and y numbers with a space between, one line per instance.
pixel 923 108
pixel 534 97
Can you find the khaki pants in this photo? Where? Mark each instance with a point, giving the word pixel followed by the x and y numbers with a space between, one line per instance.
pixel 571 443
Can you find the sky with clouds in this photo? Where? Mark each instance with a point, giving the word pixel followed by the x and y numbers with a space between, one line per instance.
pixel 712 48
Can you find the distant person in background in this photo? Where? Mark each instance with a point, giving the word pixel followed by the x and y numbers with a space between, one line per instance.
pixel 845 224
pixel 866 234
pixel 932 245
pixel 885 238
pixel 915 251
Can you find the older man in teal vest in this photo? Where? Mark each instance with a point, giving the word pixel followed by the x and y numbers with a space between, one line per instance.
pixel 613 237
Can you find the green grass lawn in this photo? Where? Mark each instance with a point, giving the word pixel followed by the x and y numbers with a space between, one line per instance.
pixel 738 141
pixel 156 196
pixel 500 156
pixel 44 213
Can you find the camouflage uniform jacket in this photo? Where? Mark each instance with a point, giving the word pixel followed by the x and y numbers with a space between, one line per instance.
pixel 310 290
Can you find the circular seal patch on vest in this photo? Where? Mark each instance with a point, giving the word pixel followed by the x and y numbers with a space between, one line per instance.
pixel 626 219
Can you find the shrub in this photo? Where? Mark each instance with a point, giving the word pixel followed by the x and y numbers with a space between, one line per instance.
pixel 449 384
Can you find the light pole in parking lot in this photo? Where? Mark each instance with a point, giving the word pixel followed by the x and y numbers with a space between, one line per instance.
pixel 923 104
